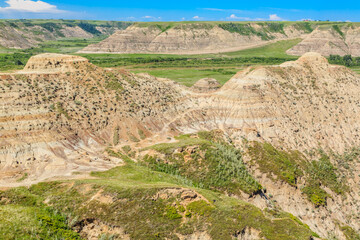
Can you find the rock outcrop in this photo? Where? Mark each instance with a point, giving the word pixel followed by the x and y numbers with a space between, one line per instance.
pixel 336 40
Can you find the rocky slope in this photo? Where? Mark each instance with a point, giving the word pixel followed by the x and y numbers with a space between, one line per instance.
pixel 183 38
pixel 60 113
pixel 191 38
pixel 336 40
pixel 23 34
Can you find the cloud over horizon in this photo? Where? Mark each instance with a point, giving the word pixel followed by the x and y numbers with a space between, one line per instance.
pixel 30 6
pixel 275 17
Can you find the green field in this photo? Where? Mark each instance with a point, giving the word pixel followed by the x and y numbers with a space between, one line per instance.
pixel 356 69
pixel 277 49
pixel 188 77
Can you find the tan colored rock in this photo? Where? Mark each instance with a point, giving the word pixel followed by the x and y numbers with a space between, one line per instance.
pixel 327 41
pixel 206 85
pixel 184 39
pixel 54 63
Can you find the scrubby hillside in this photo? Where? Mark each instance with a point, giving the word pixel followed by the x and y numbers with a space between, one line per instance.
pixel 23 34
pixel 272 154
pixel 204 37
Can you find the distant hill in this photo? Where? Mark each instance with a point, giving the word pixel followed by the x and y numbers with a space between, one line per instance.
pixel 24 33
pixel 212 37
pixel 197 37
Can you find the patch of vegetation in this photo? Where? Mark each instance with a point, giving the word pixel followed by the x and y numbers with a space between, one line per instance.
pixel 141 134
pixel 90 28
pixel 305 26
pixel 315 194
pixel 272 50
pixel 244 29
pixel 200 207
pixel 338 30
pixel 116 136
pixel 289 166
pixel 346 60
pixel 183 141
pixel 132 137
pixel 114 85
pixel 126 149
pixel 24 176
pixel 139 212
pixel 207 164
pixel 322 173
pixel 26 217
pixel 350 233
pixel 61 110
pixel 286 166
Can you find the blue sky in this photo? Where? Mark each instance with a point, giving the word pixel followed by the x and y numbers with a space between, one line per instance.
pixel 184 10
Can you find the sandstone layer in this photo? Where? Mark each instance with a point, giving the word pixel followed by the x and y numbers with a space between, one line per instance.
pixel 190 38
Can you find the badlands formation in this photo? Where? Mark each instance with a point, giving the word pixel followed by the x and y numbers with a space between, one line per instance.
pixel 190 38
pixel 193 38
pixel 60 113
pixel 24 34
pixel 334 40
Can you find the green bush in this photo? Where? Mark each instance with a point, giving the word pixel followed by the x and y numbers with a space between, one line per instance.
pixel 211 165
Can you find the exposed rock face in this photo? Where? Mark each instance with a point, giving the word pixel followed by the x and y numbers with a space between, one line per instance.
pixel 295 105
pixel 299 105
pixel 185 38
pixel 54 124
pixel 327 41
pixel 54 63
pixel 206 85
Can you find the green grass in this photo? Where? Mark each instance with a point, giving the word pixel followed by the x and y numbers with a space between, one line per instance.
pixel 286 166
pixel 33 222
pixel 210 165
pixel 289 166
pixel 350 233
pixel 277 49
pixel 136 209
pixel 189 76
pixel 356 69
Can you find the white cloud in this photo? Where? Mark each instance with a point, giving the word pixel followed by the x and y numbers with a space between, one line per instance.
pixel 30 6
pixel 151 17
pixel 234 17
pixel 196 17
pixel 274 17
